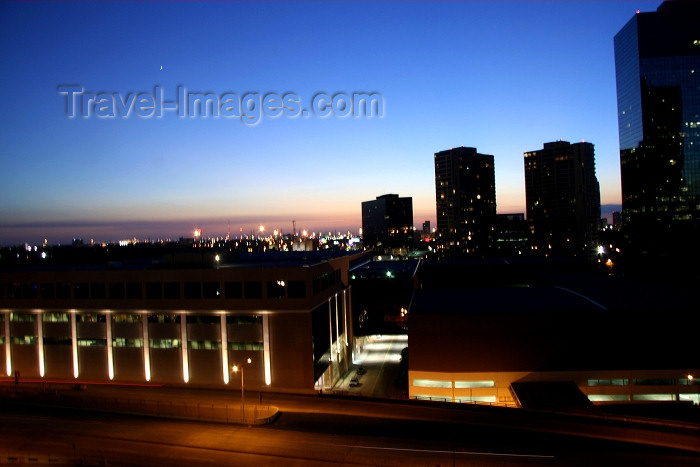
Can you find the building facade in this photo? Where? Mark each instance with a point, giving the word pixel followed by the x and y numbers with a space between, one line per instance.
pixel 657 68
pixel 563 198
pixel 477 330
pixel 387 222
pixel 292 319
pixel 465 196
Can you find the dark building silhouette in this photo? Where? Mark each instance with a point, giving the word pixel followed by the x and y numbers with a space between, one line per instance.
pixel 465 194
pixel 563 199
pixel 657 66
pixel 387 222
pixel 513 235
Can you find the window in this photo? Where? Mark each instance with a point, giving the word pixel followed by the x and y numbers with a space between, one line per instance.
pixel 233 290
pixel 171 290
pixel 211 289
pixel 165 343
pixel 97 290
pixel 124 342
pixel 244 319
pixel 245 346
pixel 58 341
pixel 655 381
pixel 432 383
pixel 25 340
pixel 92 342
pixel 56 317
pixel 253 289
pixel 14 290
pixel 609 382
pixel 296 289
pixel 127 318
pixel 164 318
pixel 474 384
pixel 81 290
pixel 275 289
pixel 22 317
pixel 92 318
pixel 205 345
pixel 63 290
pixel 134 290
pixel 154 290
pixel 116 290
pixel 203 319
pixel 31 291
pixel 47 290
pixel 608 397
pixel 193 290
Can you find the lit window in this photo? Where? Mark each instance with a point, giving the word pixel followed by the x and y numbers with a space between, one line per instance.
pixel 432 383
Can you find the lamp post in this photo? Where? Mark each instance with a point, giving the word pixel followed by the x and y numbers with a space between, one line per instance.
pixel 235 370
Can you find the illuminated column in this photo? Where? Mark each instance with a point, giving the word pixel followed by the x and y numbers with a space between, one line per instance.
pixel 183 338
pixel 110 356
pixel 40 337
pixel 266 348
pixel 8 355
pixel 224 348
pixel 146 347
pixel 349 289
pixel 337 324
pixel 330 330
pixel 74 340
pixel 345 315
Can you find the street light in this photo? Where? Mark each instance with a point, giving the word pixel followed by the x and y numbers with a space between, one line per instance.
pixel 235 370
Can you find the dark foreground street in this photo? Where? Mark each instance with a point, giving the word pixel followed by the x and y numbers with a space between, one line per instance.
pixel 328 430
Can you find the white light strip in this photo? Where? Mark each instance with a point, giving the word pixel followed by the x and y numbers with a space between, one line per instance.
pixel 183 337
pixel 8 353
pixel 110 357
pixel 146 347
pixel 74 340
pixel 347 330
pixel 330 331
pixel 345 315
pixel 40 337
pixel 266 348
pixel 337 332
pixel 224 348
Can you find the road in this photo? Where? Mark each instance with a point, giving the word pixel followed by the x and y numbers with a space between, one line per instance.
pixel 313 431
pixel 343 429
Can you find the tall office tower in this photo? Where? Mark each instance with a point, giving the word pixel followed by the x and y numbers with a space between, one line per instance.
pixel 657 67
pixel 563 198
pixel 387 222
pixel 465 195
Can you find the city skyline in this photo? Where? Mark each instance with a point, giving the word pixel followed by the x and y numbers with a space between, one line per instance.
pixel 504 77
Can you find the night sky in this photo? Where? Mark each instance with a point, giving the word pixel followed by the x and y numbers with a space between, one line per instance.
pixel 501 76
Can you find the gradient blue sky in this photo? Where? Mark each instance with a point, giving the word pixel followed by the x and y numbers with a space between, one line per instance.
pixel 501 76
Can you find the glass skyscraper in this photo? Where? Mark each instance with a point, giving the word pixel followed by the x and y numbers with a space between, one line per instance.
pixel 657 66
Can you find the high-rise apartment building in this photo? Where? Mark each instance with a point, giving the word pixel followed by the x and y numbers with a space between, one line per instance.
pixel 387 222
pixel 563 198
pixel 657 67
pixel 465 195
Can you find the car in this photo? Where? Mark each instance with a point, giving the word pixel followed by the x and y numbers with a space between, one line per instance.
pixel 361 370
pixel 354 382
